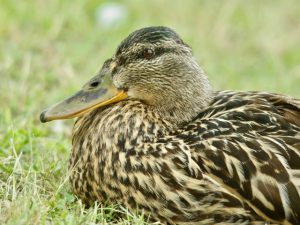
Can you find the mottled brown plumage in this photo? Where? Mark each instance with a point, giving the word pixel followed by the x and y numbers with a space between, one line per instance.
pixel 182 153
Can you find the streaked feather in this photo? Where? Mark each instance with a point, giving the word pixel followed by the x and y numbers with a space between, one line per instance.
pixel 237 162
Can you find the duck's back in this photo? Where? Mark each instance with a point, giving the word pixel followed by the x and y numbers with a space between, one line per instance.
pixel 249 142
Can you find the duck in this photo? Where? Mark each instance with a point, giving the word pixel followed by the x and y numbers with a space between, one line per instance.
pixel 153 136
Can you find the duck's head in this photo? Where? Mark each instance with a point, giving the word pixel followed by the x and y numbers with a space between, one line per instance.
pixel 152 65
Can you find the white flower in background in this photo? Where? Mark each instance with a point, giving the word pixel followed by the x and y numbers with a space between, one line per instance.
pixel 111 14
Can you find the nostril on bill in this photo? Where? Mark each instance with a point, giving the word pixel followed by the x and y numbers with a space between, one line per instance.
pixel 94 84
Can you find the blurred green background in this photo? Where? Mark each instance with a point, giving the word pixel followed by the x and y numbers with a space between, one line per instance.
pixel 49 49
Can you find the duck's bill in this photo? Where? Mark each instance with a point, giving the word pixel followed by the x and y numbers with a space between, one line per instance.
pixel 84 101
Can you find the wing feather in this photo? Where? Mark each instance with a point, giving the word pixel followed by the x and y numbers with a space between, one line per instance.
pixel 253 150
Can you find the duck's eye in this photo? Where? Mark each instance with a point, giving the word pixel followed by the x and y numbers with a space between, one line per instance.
pixel 148 53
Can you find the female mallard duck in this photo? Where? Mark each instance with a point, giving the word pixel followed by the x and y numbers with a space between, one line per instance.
pixel 161 141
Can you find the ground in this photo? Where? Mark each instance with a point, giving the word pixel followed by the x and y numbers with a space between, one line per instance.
pixel 49 49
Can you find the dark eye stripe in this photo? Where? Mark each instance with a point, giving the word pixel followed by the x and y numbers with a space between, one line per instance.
pixel 157 52
pixel 133 57
pixel 160 51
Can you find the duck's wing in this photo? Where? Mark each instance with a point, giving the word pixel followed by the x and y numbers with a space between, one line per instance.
pixel 250 144
pixel 288 107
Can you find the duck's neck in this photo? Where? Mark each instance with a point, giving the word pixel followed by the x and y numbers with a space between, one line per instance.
pixel 187 97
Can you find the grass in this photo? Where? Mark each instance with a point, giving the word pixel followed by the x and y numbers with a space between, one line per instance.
pixel 50 48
